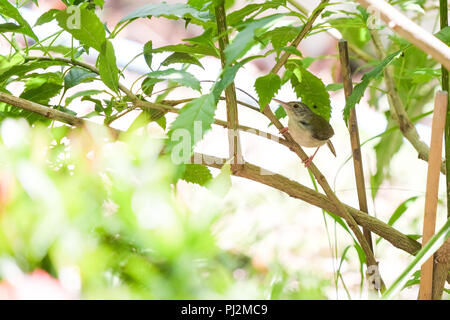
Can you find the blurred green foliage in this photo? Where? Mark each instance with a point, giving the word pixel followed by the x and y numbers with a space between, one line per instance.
pixel 109 210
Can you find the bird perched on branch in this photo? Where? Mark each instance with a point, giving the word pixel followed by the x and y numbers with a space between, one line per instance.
pixel 306 127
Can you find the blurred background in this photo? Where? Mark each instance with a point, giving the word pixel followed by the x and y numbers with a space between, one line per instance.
pixel 253 242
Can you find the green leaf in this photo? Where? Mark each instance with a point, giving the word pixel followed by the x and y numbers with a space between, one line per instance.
pixel 148 84
pixel 42 87
pixel 193 121
pixel 245 38
pixel 181 57
pixel 84 93
pixel 236 17
pixel 9 27
pixel 281 36
pixel 171 11
pixel 106 63
pixel 334 86
pixel 20 70
pixel 202 49
pixel 8 10
pixel 444 35
pixel 46 17
pixel 76 76
pixel 312 92
pixel 225 79
pixel 83 25
pixel 179 76
pixel 401 209
pixel 6 63
pixel 197 173
pixel 266 87
pixel 148 54
pixel 221 184
pixel 353 29
pixel 360 88
pixel 146 116
pixel 425 253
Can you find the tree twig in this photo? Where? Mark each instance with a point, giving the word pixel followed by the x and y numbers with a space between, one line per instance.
pixel 354 135
pixel 299 191
pixel 315 171
pixel 409 30
pixel 234 143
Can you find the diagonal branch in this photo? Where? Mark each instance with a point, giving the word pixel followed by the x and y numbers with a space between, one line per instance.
pixel 315 171
pixel 299 191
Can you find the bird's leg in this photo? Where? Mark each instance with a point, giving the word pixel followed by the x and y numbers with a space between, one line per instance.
pixel 309 160
pixel 284 130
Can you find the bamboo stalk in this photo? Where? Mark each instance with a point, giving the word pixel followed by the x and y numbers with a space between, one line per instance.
pixel 354 135
pixel 431 195
pixel 443 14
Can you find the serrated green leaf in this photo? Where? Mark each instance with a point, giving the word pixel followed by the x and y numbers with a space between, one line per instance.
pixel 245 39
pixel 193 121
pixel 444 35
pixel 106 63
pixel 6 63
pixel 266 87
pixel 8 10
pixel 281 36
pixel 312 92
pixel 148 53
pixel 181 57
pixel 42 87
pixel 197 173
pixel 148 84
pixel 89 30
pixel 236 17
pixel 9 27
pixel 171 11
pixel 20 70
pixel 46 17
pixel 353 29
pixel 225 79
pixel 202 49
pixel 360 88
pixel 179 76
pixel 84 93
pixel 76 76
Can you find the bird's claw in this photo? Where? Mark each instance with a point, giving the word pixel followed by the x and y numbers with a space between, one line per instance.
pixel 284 130
pixel 308 162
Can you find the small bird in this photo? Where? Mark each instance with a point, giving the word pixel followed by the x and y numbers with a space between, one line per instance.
pixel 307 128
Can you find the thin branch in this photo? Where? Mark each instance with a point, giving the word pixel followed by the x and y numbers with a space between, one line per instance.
pixel 397 108
pixel 409 30
pixel 306 28
pixel 49 112
pixel 361 54
pixel 234 143
pixel 354 136
pixel 299 151
pixel 299 191
pixel 292 188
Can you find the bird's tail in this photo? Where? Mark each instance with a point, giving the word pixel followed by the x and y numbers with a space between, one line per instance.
pixel 331 147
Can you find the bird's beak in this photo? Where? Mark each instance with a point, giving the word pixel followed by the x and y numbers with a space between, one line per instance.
pixel 284 104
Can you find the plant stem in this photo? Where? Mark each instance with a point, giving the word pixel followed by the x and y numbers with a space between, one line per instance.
pixel 234 143
pixel 354 135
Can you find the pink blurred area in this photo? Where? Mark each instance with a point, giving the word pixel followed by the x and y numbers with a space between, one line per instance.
pixel 38 285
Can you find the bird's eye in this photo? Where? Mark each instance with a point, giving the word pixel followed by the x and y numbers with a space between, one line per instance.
pixel 296 106
pixel 304 123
